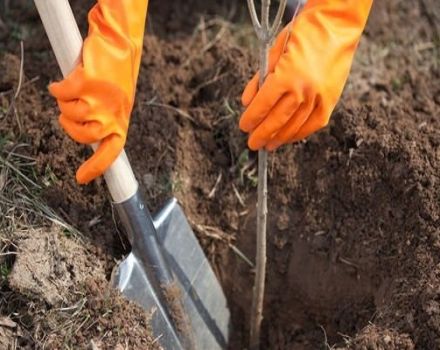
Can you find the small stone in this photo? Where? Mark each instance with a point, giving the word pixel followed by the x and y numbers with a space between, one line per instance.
pixel 283 221
pixel 148 180
pixel 387 339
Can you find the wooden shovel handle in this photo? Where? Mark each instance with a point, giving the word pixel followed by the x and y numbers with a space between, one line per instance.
pixel 66 41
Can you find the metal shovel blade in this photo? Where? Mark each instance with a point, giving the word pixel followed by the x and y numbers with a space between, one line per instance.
pixel 202 296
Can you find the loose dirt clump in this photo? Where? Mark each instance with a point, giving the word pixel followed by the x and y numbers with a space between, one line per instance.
pixel 50 266
pixel 98 316
pixel 173 297
pixel 103 317
pixel 59 287
pixel 372 337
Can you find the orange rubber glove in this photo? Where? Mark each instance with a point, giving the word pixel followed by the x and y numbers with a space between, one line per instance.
pixel 308 67
pixel 96 99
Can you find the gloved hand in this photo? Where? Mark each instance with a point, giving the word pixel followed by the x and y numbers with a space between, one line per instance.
pixel 96 99
pixel 308 67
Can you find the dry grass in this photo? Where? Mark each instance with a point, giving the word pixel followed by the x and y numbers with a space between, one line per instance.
pixel 21 211
pixel 20 190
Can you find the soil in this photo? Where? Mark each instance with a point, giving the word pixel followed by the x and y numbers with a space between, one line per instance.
pixel 173 297
pixel 49 265
pixel 354 212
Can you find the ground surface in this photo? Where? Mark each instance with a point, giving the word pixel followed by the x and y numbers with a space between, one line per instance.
pixel 354 227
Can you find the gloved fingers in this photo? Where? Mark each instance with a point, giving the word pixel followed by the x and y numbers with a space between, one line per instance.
pixel 88 132
pixel 278 48
pixel 250 90
pixel 296 121
pixel 75 110
pixel 318 119
pixel 266 98
pixel 108 150
pixel 276 51
pixel 69 88
pixel 275 121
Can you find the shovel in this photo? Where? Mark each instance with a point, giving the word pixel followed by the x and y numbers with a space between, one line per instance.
pixel 166 272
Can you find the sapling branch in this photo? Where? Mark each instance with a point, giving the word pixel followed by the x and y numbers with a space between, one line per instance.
pixel 278 19
pixel 265 6
pixel 254 17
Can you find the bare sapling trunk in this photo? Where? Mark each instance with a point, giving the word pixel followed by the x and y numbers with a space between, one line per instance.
pixel 265 33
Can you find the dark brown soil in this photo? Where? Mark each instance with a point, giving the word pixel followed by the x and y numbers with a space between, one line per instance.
pixel 354 226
